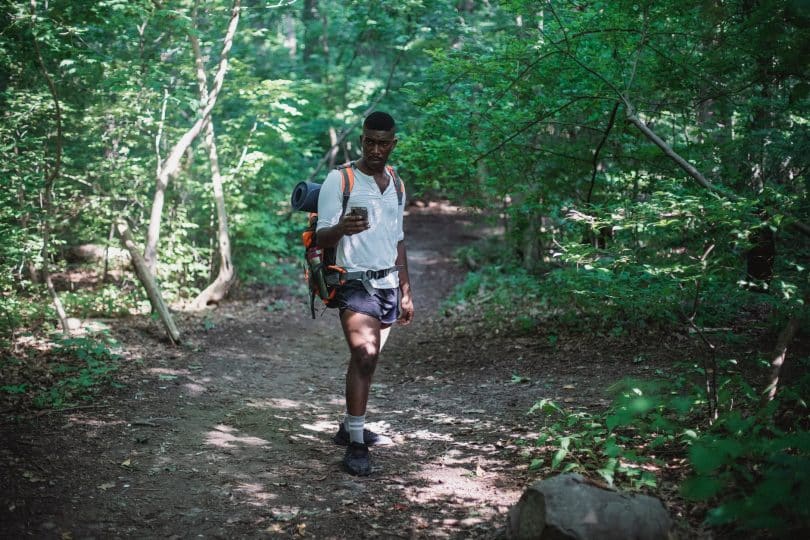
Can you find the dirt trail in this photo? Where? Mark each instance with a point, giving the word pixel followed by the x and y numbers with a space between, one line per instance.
pixel 228 436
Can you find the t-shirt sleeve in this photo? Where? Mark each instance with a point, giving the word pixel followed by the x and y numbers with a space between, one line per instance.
pixel 330 201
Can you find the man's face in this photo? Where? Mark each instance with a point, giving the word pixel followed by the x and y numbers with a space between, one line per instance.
pixel 377 146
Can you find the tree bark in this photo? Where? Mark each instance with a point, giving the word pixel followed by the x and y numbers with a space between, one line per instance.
pixel 218 289
pixel 172 163
pixel 148 282
pixel 780 352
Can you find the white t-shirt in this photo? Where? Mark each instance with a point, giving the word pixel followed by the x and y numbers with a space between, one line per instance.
pixel 376 247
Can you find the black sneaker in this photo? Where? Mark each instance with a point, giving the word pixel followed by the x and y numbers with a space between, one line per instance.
pixel 357 459
pixel 342 437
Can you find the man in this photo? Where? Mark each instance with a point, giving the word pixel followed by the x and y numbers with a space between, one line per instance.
pixel 374 245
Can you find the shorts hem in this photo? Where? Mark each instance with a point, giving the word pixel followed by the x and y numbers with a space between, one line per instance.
pixel 372 315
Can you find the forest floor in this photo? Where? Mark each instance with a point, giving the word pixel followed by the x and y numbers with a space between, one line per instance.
pixel 229 434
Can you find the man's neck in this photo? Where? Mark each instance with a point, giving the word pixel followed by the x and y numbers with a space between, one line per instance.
pixel 366 169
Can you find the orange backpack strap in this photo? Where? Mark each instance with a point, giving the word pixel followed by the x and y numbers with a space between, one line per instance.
pixel 346 182
pixel 398 185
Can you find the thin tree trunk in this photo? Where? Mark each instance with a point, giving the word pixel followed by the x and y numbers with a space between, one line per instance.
pixel 50 178
pixel 780 352
pixel 172 163
pixel 218 289
pixel 148 282
pixel 595 163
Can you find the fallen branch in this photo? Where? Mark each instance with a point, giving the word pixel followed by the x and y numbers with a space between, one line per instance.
pixel 148 282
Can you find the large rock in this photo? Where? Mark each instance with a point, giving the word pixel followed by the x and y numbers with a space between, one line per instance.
pixel 569 507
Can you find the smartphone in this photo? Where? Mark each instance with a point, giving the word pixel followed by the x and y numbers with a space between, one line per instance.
pixel 360 211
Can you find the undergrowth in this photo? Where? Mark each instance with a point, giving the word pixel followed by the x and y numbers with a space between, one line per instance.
pixel 73 371
pixel 741 460
pixel 750 466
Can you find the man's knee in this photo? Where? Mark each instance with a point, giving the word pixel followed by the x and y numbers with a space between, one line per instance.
pixel 365 359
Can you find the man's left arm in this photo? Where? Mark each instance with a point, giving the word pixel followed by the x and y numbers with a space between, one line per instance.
pixel 406 301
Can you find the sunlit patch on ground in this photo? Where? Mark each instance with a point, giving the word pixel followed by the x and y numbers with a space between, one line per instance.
pixel 195 389
pixel 256 493
pixel 169 372
pixel 227 437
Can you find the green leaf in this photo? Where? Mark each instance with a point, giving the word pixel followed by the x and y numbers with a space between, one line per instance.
pixel 706 459
pixel 701 487
pixel 558 458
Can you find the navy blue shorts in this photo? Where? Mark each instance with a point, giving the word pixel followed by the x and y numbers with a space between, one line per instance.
pixel 383 305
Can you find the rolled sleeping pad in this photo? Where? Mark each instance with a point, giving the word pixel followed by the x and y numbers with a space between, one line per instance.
pixel 305 196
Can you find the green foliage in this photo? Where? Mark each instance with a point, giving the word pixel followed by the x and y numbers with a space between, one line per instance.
pixel 750 466
pixel 81 367
pixel 105 301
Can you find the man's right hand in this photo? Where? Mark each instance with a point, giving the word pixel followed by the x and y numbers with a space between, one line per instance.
pixel 352 224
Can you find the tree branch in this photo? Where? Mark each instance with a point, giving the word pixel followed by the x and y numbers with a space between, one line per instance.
pixel 599 149
pixel 682 163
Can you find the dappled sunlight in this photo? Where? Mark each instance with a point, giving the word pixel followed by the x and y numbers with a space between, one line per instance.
pixel 169 372
pixel 321 426
pixel 256 493
pixel 275 403
pixel 95 424
pixel 426 435
pixel 426 258
pixel 446 419
pixel 224 436
pixel 195 389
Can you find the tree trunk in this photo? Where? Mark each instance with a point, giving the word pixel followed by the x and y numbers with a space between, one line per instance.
pixel 779 354
pixel 51 174
pixel 148 282
pixel 218 289
pixel 172 163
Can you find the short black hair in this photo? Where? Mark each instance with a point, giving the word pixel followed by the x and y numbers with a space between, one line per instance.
pixel 379 121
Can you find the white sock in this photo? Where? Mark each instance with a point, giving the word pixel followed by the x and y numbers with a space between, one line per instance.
pixel 354 425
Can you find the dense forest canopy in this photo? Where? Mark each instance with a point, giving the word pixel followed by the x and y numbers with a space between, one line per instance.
pixel 648 161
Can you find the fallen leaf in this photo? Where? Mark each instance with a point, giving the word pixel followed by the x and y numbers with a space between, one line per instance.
pixel 569 387
pixel 105 487
pixel 301 529
pixel 126 463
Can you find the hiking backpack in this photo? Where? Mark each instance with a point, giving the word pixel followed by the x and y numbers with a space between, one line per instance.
pixel 321 272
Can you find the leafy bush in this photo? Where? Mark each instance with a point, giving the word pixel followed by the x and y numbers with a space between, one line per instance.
pixel 106 301
pixel 751 466
pixel 619 301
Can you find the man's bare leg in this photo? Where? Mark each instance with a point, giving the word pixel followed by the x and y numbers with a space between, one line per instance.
pixel 363 335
